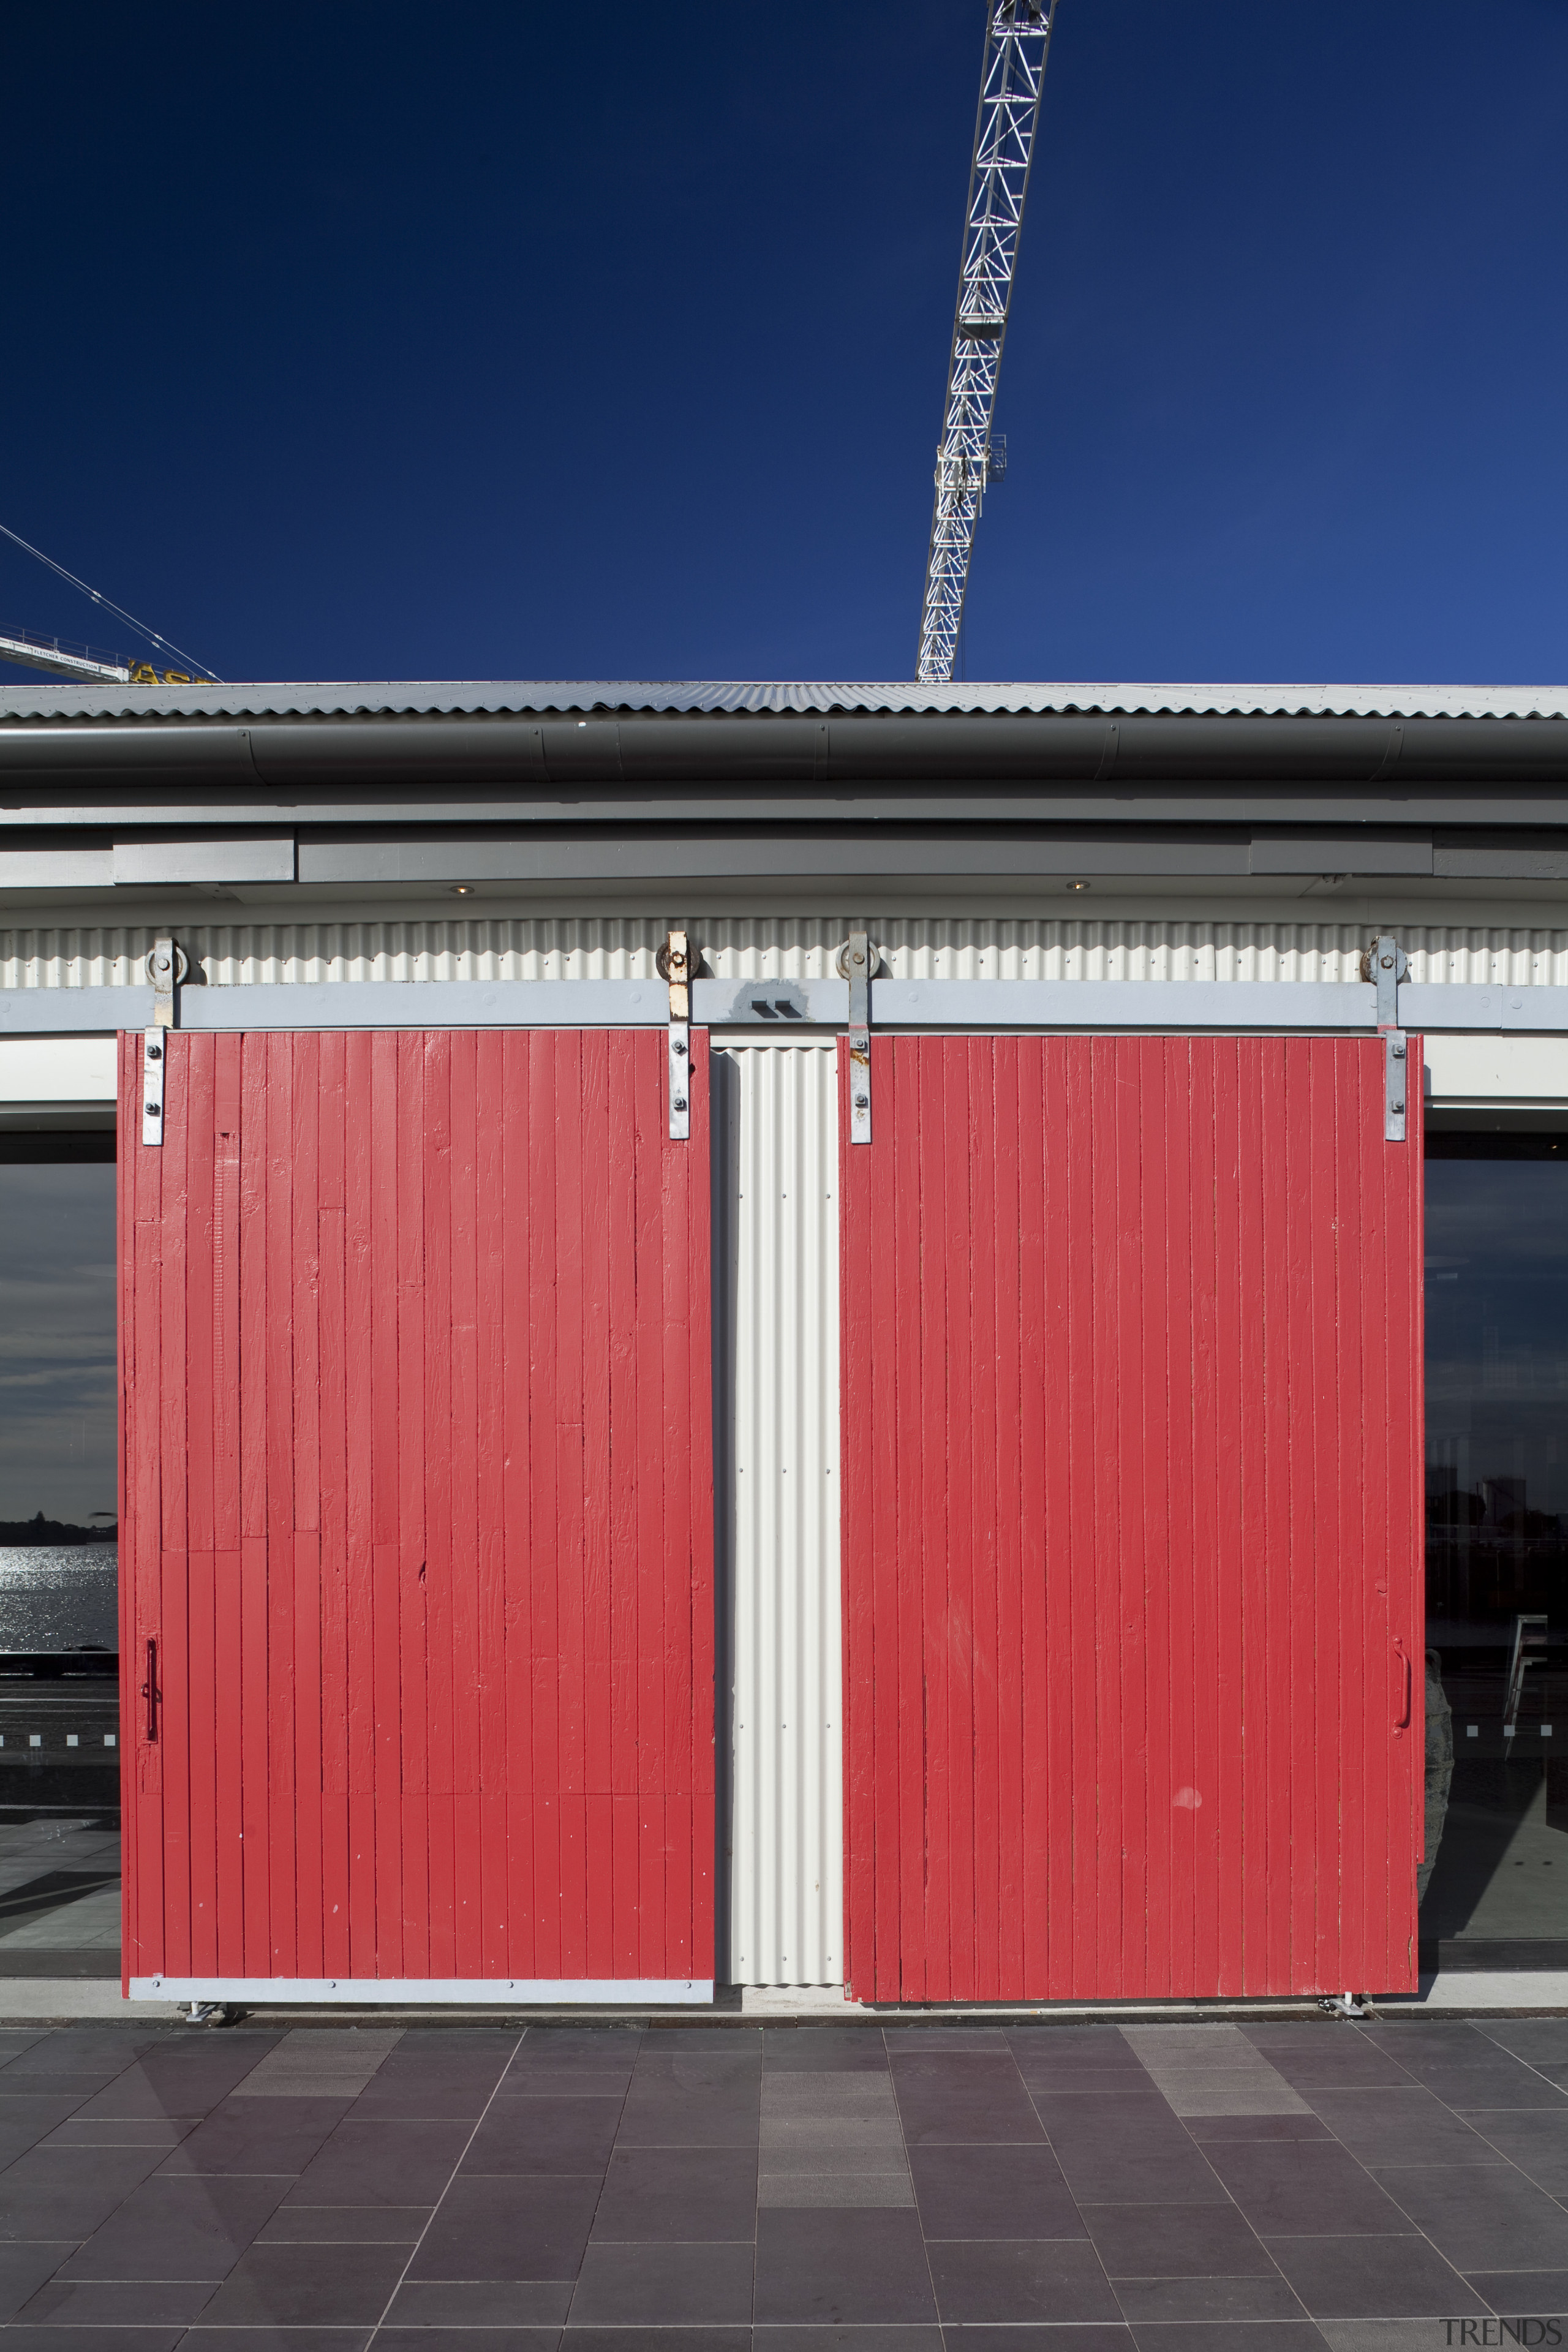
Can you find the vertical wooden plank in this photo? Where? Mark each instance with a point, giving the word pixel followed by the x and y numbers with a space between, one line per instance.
pixel 172 1263
pixel 701 1664
pixel 488 1113
pixel 200 1690
pixel 336 1698
pixel 1370 1699
pixel 364 1440
pixel 1214 1639
pixel 953 1596
pixel 624 1487
pixel 276 1591
pixel 466 1685
pixel 517 1113
pixel 672 1935
pixel 228 1488
pixel 1252 1442
pixel 1056 1416
pixel 683 1177
pixel 1097 1534
pixel 250 1685
pixel 1036 1359
pixel 1005 1512
pixel 868 1552
pixel 569 1474
pixel 599 1158
pixel 1285 1660
pixel 172 1535
pixel 879 1611
pixel 699 1659
pixel 1317 1567
pixel 1192 1800
pixel 544 1141
pixel 385 1173
pixel 437 1566
pixel 990 1063
pixel 1158 1293
pixel 651 1121
pixel 413 1636
pixel 1340 1579
pixel 305 1558
pixel 254 1788
pixel 900 1174
pixel 935 1832
pixel 1127 1745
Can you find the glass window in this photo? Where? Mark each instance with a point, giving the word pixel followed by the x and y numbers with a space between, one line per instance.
pixel 1497 1547
pixel 57 1445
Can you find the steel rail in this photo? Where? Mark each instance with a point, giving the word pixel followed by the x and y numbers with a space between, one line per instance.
pixel 780 1007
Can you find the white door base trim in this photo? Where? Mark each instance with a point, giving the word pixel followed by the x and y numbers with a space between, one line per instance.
pixel 405 1992
pixel 795 2000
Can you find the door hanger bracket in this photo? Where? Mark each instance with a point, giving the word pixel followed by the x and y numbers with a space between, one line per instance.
pixel 166 967
pixel 674 961
pixel 856 958
pixel 1385 964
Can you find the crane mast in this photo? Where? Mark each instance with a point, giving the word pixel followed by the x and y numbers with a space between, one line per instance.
pixel 1017 40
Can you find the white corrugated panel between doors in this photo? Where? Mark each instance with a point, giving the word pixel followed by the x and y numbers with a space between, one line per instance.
pixel 780 1293
pixel 1196 944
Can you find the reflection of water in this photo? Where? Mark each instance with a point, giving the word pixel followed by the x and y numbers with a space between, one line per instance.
pixel 58 1599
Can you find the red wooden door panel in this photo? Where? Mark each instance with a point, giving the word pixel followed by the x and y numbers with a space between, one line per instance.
pixel 417 1510
pixel 1132 1520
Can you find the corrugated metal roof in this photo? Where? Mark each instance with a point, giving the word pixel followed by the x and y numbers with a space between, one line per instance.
pixel 514 697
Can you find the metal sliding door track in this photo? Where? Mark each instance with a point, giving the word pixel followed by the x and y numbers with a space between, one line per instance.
pixel 1347 1008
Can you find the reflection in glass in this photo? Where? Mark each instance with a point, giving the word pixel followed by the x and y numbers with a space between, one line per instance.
pixel 1496 1543
pixel 57 1440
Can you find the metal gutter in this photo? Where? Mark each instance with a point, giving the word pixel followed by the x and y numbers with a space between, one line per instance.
pixel 430 756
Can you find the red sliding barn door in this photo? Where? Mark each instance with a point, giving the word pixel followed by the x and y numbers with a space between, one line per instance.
pixel 1132 1513
pixel 418 1513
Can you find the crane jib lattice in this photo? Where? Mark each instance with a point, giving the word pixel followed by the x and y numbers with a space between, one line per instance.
pixel 1018 39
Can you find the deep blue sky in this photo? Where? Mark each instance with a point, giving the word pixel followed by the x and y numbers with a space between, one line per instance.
pixel 369 340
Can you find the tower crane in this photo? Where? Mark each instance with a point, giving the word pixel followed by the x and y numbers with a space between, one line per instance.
pixel 1017 42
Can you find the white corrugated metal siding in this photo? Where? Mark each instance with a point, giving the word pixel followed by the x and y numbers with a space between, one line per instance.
pixel 1194 945
pixel 786 1878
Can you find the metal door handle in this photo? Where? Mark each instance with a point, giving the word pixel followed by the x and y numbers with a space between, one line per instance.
pixel 150 1690
pixel 1402 1722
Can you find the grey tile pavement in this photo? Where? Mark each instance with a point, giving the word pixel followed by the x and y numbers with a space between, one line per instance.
pixel 855 2188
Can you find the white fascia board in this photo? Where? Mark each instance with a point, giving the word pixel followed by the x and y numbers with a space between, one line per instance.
pixel 55 870
pixel 407 1992
pixel 217 860
pixel 1496 1069
pixel 54 1012
pixel 58 1069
